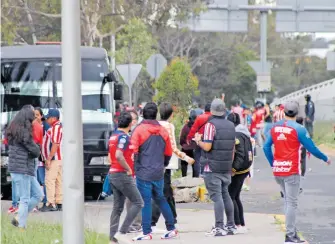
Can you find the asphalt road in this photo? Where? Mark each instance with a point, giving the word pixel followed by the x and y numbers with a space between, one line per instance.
pixel 316 214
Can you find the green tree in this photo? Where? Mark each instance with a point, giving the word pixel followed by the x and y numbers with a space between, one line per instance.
pixel 177 85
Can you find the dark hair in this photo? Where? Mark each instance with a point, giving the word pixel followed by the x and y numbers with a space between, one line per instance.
pixel 192 118
pixel 20 129
pixel 235 118
pixel 124 120
pixel 41 112
pixel 150 111
pixel 208 107
pixel 165 111
pixel 299 120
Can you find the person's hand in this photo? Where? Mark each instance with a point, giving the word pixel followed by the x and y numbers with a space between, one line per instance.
pixel 197 137
pixel 47 164
pixel 307 119
pixel 329 161
pixel 129 172
pixel 188 142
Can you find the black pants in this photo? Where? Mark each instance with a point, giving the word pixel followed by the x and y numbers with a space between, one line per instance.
pixel 197 168
pixel 168 193
pixel 235 189
pixel 184 164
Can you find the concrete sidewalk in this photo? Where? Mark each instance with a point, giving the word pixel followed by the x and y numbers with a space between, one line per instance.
pixel 192 226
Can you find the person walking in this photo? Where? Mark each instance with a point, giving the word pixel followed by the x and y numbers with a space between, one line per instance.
pixel 152 153
pixel 287 136
pixel 52 153
pixel 198 126
pixel 121 177
pixel 309 112
pixel 217 157
pixel 166 113
pixel 243 159
pixel 267 120
pixel 188 149
pixel 21 163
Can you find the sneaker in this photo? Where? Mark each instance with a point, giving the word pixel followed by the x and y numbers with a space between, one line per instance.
pixel 301 190
pixel 231 231
pixel 245 187
pixel 48 208
pixel 135 229
pixel 13 209
pixel 15 222
pixel 241 230
pixel 216 232
pixel 59 207
pixel 293 240
pixel 143 237
pixel 170 234
pixel 156 230
pixel 122 238
pixel 114 241
pixel 35 210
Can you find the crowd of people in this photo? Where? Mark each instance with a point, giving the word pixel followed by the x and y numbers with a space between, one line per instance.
pixel 143 152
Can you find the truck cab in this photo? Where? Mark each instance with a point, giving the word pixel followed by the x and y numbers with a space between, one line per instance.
pixel 33 75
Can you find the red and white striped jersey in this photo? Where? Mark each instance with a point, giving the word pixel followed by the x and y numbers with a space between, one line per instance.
pixel 53 135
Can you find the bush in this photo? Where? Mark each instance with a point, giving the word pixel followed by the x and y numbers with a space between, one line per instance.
pixel 324 133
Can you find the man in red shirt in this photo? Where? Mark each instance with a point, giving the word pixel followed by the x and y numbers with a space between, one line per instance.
pixel 199 127
pixel 121 178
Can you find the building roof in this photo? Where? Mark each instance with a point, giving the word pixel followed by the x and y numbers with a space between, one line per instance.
pixel 48 51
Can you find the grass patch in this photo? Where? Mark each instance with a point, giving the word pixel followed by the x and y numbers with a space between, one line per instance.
pixel 176 175
pixel 41 233
pixel 324 134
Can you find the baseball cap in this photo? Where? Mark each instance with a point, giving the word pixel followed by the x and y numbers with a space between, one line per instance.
pixel 291 108
pixel 52 112
pixel 218 107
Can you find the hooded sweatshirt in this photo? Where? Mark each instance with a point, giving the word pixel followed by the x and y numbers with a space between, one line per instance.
pixel 242 135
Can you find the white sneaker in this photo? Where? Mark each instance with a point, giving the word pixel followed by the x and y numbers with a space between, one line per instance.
pixel 170 234
pixel 156 230
pixel 143 237
pixel 216 232
pixel 122 238
pixel 242 230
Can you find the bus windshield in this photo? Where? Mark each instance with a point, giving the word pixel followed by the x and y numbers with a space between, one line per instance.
pixel 39 83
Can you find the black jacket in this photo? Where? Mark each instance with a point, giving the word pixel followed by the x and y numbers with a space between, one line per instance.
pixel 21 157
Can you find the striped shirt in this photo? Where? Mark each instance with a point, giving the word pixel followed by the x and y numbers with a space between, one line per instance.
pixel 209 134
pixel 53 135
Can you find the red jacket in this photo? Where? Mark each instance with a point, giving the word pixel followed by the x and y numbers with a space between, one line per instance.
pixel 199 125
pixel 37 133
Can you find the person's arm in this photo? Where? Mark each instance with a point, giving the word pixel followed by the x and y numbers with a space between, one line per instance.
pixel 168 148
pixel 32 148
pixel 194 129
pixel 309 110
pixel 307 142
pixel 56 138
pixel 208 138
pixel 267 148
pixel 123 143
pixel 172 137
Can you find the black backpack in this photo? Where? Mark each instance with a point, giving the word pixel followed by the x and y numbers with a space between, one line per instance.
pixel 248 156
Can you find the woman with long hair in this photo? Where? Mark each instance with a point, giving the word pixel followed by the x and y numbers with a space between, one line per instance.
pixel 243 159
pixel 21 163
pixel 185 147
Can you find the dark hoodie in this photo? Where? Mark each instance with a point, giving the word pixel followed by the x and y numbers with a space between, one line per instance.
pixel 242 137
pixel 152 150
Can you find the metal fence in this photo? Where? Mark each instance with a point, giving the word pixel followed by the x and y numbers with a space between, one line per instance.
pixel 323 96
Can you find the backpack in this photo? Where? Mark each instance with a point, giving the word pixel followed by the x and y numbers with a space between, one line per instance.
pixel 248 156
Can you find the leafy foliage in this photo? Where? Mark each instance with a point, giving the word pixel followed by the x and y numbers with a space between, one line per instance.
pixel 177 84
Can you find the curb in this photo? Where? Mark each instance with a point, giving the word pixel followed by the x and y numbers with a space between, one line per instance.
pixel 280 220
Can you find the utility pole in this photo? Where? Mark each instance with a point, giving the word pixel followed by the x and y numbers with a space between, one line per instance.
pixel 113 65
pixel 73 166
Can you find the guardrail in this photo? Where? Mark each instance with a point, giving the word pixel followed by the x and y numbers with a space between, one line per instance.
pixel 323 96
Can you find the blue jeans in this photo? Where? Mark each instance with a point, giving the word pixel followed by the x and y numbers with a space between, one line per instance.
pixel 15 198
pixel 154 190
pixel 30 194
pixel 41 181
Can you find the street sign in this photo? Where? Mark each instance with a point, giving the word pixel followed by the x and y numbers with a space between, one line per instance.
pixel 263 82
pixel 331 61
pixel 129 73
pixel 156 64
pixel 221 16
pixel 306 16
